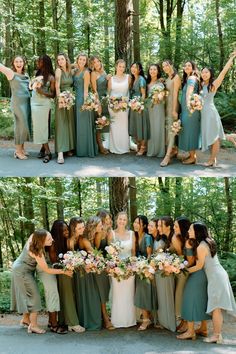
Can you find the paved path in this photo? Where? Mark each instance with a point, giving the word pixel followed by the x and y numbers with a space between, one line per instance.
pixel 15 340
pixel 111 165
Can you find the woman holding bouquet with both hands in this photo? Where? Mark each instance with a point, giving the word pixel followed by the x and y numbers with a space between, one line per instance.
pixel 64 118
pixel 20 103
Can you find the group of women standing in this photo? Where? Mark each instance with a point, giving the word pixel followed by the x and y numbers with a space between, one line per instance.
pixel 75 129
pixel 173 303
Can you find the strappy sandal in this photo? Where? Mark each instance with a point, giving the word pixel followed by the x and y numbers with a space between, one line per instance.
pixel 146 323
pixel 24 324
pixel 58 330
pixel 47 157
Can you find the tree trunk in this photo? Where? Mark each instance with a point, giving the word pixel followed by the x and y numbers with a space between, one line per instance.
pixel 41 45
pixel 132 198
pixel 56 46
pixel 60 204
pixel 178 196
pixel 44 204
pixel 136 32
pixel 179 18
pixel 79 193
pixel 229 223
pixel 164 186
pixel 28 208
pixel 119 194
pixel 106 37
pixel 69 29
pixel 220 34
pixel 99 194
pixel 8 49
pixel 123 30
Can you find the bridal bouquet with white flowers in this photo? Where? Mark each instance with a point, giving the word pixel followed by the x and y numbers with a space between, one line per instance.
pixel 102 122
pixel 36 82
pixel 91 103
pixel 145 268
pixel 196 103
pixel 158 93
pixel 120 269
pixel 136 104
pixel 94 262
pixel 73 260
pixel 66 99
pixel 117 104
pixel 169 263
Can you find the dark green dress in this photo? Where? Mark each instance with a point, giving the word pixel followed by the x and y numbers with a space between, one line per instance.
pixel 65 119
pixel 102 92
pixel 139 124
pixel 195 298
pixel 20 106
pixel 102 279
pixel 145 293
pixel 86 145
pixel 88 301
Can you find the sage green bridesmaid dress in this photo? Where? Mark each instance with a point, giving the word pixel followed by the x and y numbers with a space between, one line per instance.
pixel 65 119
pixel 102 279
pixel 86 145
pixel 102 92
pixel 20 106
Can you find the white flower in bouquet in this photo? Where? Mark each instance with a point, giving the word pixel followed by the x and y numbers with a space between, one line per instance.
pixel 196 103
pixel 158 93
pixel 119 103
pixel 91 103
pixel 102 122
pixel 36 82
pixel 176 127
pixel 66 99
pixel 136 104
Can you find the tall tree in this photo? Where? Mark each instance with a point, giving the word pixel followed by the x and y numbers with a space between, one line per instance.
pixel 229 223
pixel 44 204
pixel 118 194
pixel 220 34
pixel 56 47
pixel 133 198
pixel 69 29
pixel 41 44
pixel 136 31
pixel 59 192
pixel 178 31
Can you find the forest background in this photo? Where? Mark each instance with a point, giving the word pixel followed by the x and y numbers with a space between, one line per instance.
pixel 135 30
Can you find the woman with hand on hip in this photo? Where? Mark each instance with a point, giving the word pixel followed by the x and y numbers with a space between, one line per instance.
pixel 20 103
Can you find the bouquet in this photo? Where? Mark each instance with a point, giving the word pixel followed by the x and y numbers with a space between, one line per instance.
pixel 119 103
pixel 195 103
pixel 72 260
pixel 176 127
pixel 136 104
pixel 94 262
pixel 66 100
pixel 113 250
pixel 145 268
pixel 36 82
pixel 120 269
pixel 170 263
pixel 102 122
pixel 91 103
pixel 158 93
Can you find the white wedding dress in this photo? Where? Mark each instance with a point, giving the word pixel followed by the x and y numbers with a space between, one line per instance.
pixel 123 312
pixel 119 136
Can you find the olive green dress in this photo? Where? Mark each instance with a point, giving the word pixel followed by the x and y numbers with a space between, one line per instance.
pixel 139 124
pixel 88 301
pixel 65 119
pixel 86 145
pixel 25 296
pixel 102 92
pixel 102 279
pixel 40 108
pixel 194 303
pixel 20 106
pixel 145 291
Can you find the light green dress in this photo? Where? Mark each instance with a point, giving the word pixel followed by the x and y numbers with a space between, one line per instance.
pixel 65 119
pixel 20 106
pixel 156 143
pixel 25 296
pixel 139 124
pixel 86 145
pixel 145 291
pixel 40 108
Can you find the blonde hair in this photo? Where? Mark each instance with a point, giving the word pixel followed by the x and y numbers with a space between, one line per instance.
pixel 119 214
pixel 68 64
pixel 120 61
pixel 82 55
pixel 90 228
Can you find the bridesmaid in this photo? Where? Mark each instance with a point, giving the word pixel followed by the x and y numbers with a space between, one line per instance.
pixel 181 227
pixel 143 290
pixel 173 85
pixel 88 297
pixel 189 138
pixel 211 127
pixel 64 118
pixel 220 294
pixel 165 286
pixel 156 143
pixel 99 86
pixel 68 315
pixel 139 125
pixel 25 297
pixel 20 103
pixel 123 312
pixel 118 85
pixel 41 105
pixel 86 145
pixel 194 304
pixel 158 242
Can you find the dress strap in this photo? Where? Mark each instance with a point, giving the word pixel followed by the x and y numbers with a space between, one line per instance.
pixel 130 235
pixel 113 235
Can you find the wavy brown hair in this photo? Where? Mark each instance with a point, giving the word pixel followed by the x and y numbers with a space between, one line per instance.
pixel 68 64
pixel 83 55
pixel 90 228
pixel 38 241
pixel 13 66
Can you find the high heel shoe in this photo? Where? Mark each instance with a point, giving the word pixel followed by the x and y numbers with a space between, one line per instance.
pixel 187 335
pixel 20 156
pixel 36 330
pixel 24 324
pixel 141 151
pixel 77 329
pixel 146 323
pixel 189 161
pixel 216 338
pixel 210 163
pixel 165 161
pixel 201 332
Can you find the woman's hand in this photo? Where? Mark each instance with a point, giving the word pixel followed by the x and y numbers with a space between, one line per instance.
pixel 69 273
pixel 40 90
pixel 175 115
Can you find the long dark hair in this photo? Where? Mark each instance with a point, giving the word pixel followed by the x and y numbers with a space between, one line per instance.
pixel 201 234
pixel 158 72
pixel 60 241
pixel 140 68
pixel 194 72
pixel 47 68
pixel 168 222
pixel 184 224
pixel 155 220
pixel 171 64
pixel 210 85
pixel 144 220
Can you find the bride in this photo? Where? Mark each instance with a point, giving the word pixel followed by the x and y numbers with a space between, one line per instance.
pixel 123 312
pixel 118 86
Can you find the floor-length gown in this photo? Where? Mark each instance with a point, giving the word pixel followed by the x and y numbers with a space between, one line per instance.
pixel 123 313
pixel 119 136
